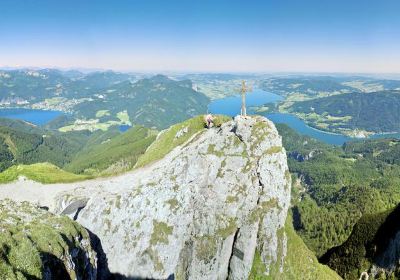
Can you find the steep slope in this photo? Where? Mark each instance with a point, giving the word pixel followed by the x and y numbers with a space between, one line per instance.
pixel 175 136
pixel 372 247
pixel 113 155
pixel 300 262
pixel 35 244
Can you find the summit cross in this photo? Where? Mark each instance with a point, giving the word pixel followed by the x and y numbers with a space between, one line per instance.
pixel 244 89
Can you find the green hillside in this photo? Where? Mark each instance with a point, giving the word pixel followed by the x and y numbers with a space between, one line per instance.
pixel 375 111
pixel 175 136
pixel 22 143
pixel 40 172
pixel 35 86
pixel 300 262
pixel 363 249
pixel 112 155
pixel 77 152
pixel 156 102
pixel 337 185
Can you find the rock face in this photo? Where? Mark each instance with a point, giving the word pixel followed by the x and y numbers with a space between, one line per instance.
pixel 35 244
pixel 199 213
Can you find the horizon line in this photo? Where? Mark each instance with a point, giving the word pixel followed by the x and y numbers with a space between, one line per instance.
pixel 255 72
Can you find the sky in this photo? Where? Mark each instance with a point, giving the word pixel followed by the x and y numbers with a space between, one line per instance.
pixel 360 36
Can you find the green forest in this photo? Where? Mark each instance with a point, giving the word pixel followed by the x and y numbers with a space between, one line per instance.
pixel 335 186
pixel 80 152
pixel 375 111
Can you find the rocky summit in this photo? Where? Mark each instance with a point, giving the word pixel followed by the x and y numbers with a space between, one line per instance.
pixel 201 212
pixel 214 207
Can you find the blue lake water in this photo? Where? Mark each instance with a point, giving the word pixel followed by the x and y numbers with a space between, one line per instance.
pixel 231 106
pixel 124 127
pixel 38 117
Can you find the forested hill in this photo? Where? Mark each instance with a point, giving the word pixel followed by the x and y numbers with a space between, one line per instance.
pixel 24 143
pixel 375 111
pixel 153 102
pixel 91 153
pixel 370 248
pixel 337 185
pixel 103 98
pixel 32 86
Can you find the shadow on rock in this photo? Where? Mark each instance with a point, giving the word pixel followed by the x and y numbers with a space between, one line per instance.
pixel 103 272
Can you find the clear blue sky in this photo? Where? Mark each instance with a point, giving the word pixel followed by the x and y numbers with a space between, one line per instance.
pixel 203 35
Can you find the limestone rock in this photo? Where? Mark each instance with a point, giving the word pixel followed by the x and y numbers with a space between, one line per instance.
pixel 198 213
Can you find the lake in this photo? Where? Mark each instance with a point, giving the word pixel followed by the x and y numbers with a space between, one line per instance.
pixel 231 106
pixel 124 127
pixel 38 117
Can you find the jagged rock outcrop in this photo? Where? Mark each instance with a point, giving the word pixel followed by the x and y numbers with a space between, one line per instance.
pixel 199 213
pixel 35 244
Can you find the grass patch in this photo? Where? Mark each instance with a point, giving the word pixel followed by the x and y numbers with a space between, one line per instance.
pixel 124 117
pixel 173 204
pixel 175 136
pixel 45 173
pixel 274 150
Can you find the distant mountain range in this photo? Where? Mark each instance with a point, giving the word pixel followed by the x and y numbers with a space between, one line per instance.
pixel 154 102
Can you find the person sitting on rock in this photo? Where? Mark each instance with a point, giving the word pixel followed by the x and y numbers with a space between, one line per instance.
pixel 209 120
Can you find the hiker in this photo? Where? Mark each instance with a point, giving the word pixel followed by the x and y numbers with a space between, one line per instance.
pixel 209 120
